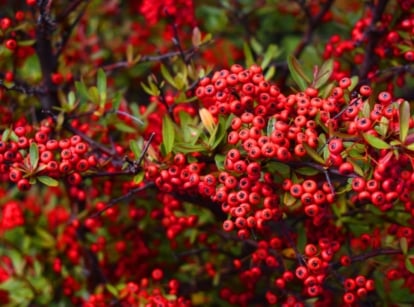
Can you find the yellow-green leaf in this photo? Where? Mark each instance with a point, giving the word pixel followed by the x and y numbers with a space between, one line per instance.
pixel 313 154
pixel 168 134
pixel 34 155
pixel 404 120
pixel 375 142
pixel 409 265
pixel 49 181
pixel 404 245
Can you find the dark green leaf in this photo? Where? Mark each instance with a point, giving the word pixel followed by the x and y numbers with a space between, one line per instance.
pixel 297 73
pixel 404 120
pixel 324 73
pixel 375 142
pixel 82 90
pixel 307 171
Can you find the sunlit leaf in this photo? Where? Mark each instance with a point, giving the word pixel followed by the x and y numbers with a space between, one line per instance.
pixel 168 134
pixel 49 181
pixel 167 76
pixel 248 55
pixel 404 120
pixel 375 142
pixel 136 150
pixel 196 37
pixel 101 85
pixel 34 155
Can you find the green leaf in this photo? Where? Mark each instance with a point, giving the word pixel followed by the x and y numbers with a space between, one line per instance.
pixel 307 171
pixel 297 73
pixel 313 154
pixel 136 150
pixel 271 52
pixel 324 73
pixel 93 94
pixel 404 120
pixel 101 85
pixel 219 159
pixel 410 147
pixel 124 127
pixel 113 290
pixel 167 76
pixel 409 265
pixel 375 142
pixel 404 245
pixel 139 177
pixel 82 90
pixel 168 134
pixel 248 54
pixel 46 238
pixel 116 101
pixel 49 181
pixel 34 155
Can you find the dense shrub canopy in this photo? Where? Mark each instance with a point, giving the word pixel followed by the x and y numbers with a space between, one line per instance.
pixel 211 153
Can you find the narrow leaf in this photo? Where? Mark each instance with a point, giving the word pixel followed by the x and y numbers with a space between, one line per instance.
pixel 248 54
pixel 404 245
pixel 49 181
pixel 167 76
pixel 133 145
pixel 101 82
pixel 375 142
pixel 404 120
pixel 168 134
pixel 34 155
pixel 409 265
pixel 324 73
pixel 297 73
pixel 313 154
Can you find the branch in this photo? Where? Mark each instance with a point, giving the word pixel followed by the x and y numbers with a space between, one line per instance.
pixel 48 60
pixel 372 36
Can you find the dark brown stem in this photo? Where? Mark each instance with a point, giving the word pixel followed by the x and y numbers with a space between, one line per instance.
pixel 371 37
pixel 47 58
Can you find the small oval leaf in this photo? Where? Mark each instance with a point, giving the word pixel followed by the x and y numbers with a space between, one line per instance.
pixel 404 120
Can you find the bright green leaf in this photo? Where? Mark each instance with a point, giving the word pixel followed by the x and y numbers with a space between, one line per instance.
pixel 404 120
pixel 34 155
pixel 248 54
pixel 49 181
pixel 136 150
pixel 375 142
pixel 138 177
pixel 101 85
pixel 167 76
pixel 168 134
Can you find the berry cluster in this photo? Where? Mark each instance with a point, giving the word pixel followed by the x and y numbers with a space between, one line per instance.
pixel 29 155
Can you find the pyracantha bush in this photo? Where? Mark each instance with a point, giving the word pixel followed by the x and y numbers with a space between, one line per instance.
pixel 184 153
